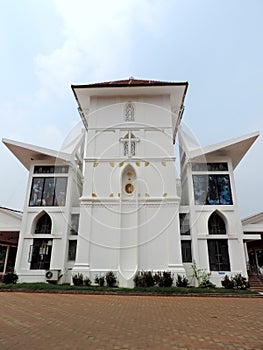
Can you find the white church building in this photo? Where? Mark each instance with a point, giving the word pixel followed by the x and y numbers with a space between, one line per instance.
pixel 112 199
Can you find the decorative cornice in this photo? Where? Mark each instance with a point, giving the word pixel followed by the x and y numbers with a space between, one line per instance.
pixel 116 202
pixel 114 160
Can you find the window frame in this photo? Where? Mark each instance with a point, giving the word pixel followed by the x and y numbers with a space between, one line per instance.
pixel 40 191
pixel 186 251
pixel 214 259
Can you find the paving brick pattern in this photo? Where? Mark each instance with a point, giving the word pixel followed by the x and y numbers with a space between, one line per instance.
pixel 66 321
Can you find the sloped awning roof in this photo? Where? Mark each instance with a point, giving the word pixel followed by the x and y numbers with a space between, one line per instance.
pixel 26 153
pixel 235 149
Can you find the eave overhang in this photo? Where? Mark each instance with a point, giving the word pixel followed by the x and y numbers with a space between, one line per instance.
pixel 27 153
pixel 176 92
pixel 234 148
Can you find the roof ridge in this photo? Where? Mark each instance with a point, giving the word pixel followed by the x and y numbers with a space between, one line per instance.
pixel 131 81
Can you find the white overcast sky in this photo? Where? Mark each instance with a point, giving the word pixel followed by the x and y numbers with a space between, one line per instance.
pixel 47 45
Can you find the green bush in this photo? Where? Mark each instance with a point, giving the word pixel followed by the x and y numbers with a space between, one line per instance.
pixel 78 279
pixel 147 279
pixel 87 282
pixel 235 282
pixel 144 279
pixel 202 277
pixel 182 281
pixel 166 280
pixel 10 278
pixel 100 280
pixel 227 282
pixel 240 282
pixel 111 279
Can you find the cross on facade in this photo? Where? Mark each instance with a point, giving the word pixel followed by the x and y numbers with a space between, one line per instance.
pixel 129 141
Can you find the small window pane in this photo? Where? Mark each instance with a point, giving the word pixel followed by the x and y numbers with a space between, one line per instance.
pixel 209 167
pixel 184 224
pixel 72 247
pixel 48 194
pixel 60 191
pixel 200 183
pixel 224 189
pixel 126 148
pixel 212 191
pixel 36 191
pixel 50 169
pixel 3 250
pixel 186 251
pixel 74 224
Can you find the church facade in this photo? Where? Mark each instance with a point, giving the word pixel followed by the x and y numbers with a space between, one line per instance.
pixel 111 199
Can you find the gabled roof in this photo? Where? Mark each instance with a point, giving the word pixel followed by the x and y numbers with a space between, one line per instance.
pixel 25 152
pixel 234 148
pixel 253 219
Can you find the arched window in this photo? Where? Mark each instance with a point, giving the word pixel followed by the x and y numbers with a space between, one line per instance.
pixel 44 224
pixel 218 248
pixel 216 225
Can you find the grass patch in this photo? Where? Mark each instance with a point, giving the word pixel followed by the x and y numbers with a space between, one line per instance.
pixel 31 287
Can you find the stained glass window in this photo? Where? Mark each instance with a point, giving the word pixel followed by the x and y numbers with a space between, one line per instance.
pixel 212 189
pixel 36 191
pixel 48 191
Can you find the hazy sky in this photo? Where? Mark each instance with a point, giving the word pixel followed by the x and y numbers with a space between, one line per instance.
pixel 47 45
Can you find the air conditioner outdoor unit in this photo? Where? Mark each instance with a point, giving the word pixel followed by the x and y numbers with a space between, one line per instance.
pixel 52 275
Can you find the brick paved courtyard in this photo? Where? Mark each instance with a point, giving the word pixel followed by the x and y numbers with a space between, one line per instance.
pixel 66 321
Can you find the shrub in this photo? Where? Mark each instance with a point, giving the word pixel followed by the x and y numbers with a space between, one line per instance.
pixel 87 282
pixel 202 277
pixel 137 280
pixel 147 279
pixel 167 279
pixel 111 279
pixel 240 282
pixel 182 281
pixel 228 283
pixel 235 282
pixel 144 279
pixel 100 280
pixel 206 283
pixel 10 278
pixel 78 279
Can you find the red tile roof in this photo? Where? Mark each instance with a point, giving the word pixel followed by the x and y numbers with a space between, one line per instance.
pixel 131 81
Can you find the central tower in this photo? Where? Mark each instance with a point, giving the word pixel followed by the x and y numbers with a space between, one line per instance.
pixel 129 215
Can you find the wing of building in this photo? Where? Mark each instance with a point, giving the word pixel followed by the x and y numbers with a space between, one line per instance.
pixel 111 199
